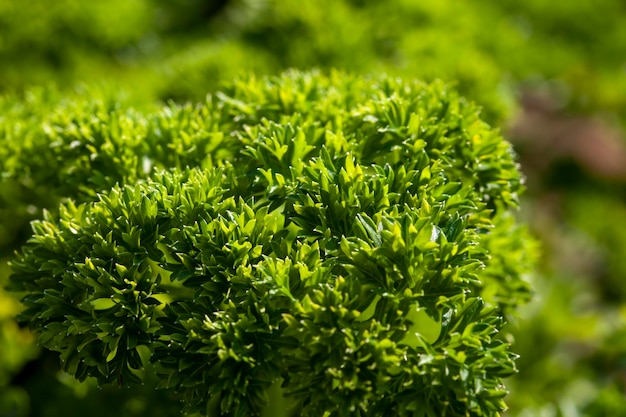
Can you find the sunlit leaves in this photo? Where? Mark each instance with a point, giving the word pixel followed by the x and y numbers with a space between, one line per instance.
pixel 333 235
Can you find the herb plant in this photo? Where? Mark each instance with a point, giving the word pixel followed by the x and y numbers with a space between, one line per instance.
pixel 338 245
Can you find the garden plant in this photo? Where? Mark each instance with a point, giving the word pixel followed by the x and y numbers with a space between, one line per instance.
pixel 319 244
pixel 103 97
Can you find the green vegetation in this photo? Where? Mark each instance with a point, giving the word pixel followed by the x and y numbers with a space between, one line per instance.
pixel 99 98
pixel 342 239
pixel 184 49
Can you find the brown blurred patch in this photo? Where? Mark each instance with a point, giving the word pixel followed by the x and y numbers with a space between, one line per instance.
pixel 545 136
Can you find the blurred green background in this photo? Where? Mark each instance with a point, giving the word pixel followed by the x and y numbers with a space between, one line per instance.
pixel 551 74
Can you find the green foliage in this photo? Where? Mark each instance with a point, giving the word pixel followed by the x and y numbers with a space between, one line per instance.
pixel 571 336
pixel 488 49
pixel 182 49
pixel 56 41
pixel 589 211
pixel 49 144
pixel 339 237
pixel 17 346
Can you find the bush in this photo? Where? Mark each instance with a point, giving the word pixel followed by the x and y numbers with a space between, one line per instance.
pixel 156 48
pixel 326 241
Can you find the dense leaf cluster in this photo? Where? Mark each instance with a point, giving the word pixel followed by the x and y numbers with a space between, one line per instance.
pixel 331 235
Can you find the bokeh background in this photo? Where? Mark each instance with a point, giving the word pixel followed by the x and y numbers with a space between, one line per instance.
pixel 551 75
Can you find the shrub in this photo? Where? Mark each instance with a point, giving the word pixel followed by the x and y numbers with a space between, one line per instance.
pixel 326 239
